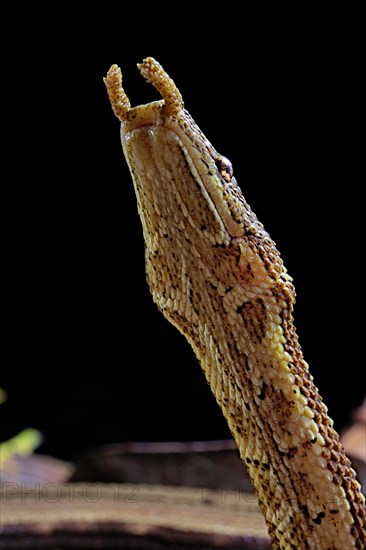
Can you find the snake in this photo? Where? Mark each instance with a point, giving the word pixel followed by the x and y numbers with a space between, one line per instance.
pixel 217 276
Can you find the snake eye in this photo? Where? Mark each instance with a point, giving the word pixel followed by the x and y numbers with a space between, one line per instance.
pixel 225 168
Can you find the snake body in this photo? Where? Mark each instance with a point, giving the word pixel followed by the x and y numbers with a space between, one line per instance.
pixel 217 276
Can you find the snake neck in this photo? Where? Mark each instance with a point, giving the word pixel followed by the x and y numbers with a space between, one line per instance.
pixel 243 335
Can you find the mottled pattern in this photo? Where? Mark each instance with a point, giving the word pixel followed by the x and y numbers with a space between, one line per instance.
pixel 216 274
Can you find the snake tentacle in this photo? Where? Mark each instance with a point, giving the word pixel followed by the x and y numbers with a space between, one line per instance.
pixel 216 274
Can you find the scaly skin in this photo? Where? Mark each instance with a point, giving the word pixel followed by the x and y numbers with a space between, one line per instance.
pixel 216 275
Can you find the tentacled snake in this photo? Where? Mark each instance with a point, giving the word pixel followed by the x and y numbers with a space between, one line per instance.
pixel 215 273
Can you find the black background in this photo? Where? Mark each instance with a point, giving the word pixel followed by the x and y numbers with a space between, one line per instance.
pixel 94 362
